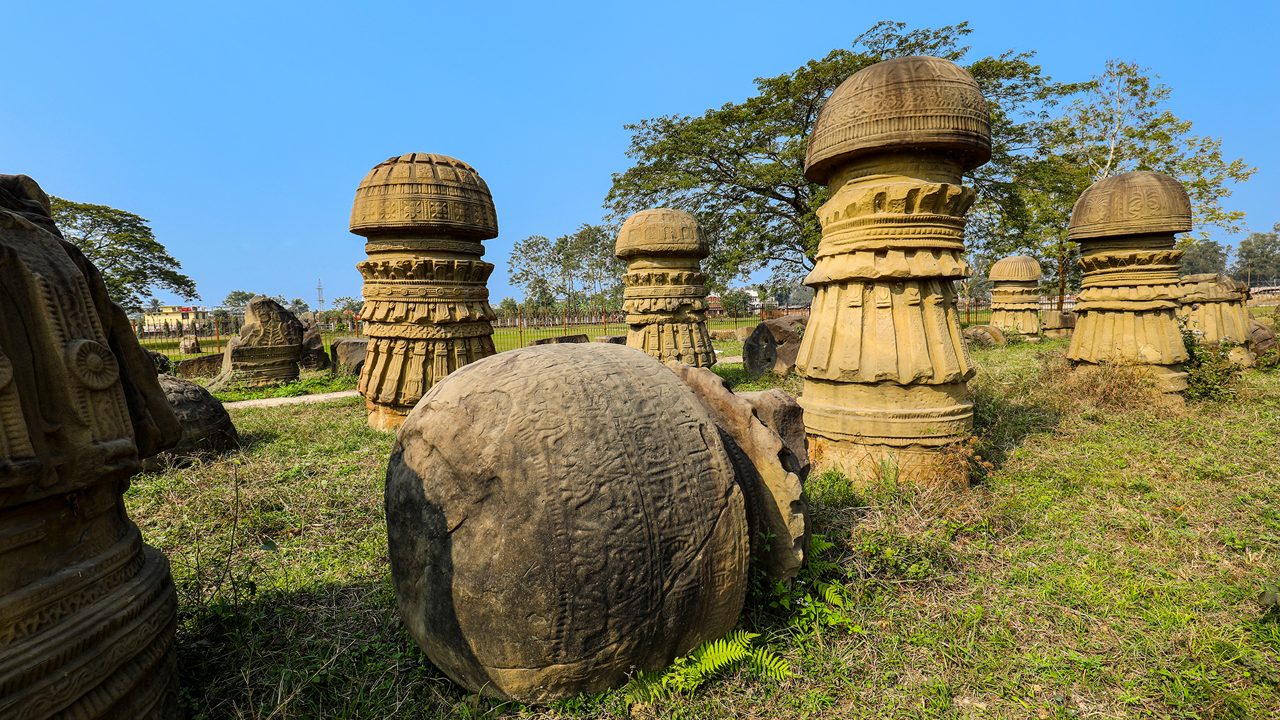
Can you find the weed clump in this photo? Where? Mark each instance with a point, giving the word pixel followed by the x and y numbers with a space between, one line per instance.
pixel 1211 373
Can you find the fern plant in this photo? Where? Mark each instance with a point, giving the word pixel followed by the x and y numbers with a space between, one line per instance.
pixel 690 672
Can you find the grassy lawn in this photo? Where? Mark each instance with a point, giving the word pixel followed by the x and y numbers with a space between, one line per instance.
pixel 1108 563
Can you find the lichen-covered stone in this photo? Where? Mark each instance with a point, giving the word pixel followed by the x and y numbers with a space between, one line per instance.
pixel 87 611
pixel 773 346
pixel 560 516
pixel 426 304
pixel 666 292
pixel 348 354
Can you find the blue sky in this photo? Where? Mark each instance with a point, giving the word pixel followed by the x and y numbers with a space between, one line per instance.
pixel 240 130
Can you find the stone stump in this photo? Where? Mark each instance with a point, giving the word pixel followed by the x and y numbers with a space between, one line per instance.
pixel 189 345
pixel 884 363
pixel 87 611
pixel 267 350
pixel 984 335
pixel 1128 303
pixel 1215 308
pixel 1015 295
pixel 666 294
pixel 773 346
pixel 1056 324
pixel 348 354
pixel 426 304
pixel 561 516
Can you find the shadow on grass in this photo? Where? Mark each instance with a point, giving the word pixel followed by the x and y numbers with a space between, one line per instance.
pixel 1003 420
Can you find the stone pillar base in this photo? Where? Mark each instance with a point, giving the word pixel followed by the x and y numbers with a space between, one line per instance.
pixel 866 464
pixel 386 419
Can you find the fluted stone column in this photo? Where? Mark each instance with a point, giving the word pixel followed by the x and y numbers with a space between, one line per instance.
pixel 425 298
pixel 1216 308
pixel 883 359
pixel 1015 295
pixel 1128 303
pixel 666 293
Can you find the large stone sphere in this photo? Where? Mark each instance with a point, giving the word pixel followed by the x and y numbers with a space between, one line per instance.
pixel 559 516
pixel 907 103
pixel 1135 203
pixel 660 231
pixel 424 193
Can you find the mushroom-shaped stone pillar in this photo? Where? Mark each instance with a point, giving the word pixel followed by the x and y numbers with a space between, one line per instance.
pixel 425 298
pixel 883 360
pixel 666 292
pixel 1015 296
pixel 1128 301
pixel 1216 307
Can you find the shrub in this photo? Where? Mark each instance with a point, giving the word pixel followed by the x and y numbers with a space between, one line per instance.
pixel 1211 374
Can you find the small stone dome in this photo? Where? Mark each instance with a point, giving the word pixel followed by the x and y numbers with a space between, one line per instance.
pixel 1018 268
pixel 424 193
pixel 1135 203
pixel 908 102
pixel 660 231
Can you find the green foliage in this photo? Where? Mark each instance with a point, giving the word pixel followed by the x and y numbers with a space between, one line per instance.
pixel 124 249
pixel 1201 255
pixel 1211 374
pixel 687 674
pixel 314 385
pixel 578 269
pixel 237 299
pixel 739 167
pixel 1258 256
pixel 736 303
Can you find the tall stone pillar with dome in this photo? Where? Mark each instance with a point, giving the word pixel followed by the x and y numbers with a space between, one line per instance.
pixel 1129 297
pixel 426 301
pixel 1015 295
pixel 883 360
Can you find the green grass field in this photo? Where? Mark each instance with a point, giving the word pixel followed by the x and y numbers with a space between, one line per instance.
pixel 1108 563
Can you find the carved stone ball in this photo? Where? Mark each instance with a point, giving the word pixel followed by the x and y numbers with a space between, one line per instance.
pixel 1018 268
pixel 206 427
pixel 901 104
pixel 1135 203
pixel 559 516
pixel 424 194
pixel 660 231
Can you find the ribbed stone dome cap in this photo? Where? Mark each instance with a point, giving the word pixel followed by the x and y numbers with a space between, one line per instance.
pixel 424 192
pixel 909 102
pixel 1135 203
pixel 1018 268
pixel 660 231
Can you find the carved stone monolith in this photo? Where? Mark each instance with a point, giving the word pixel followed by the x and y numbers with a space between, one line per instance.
pixel 312 355
pixel 189 345
pixel 425 299
pixel 87 611
pixel 1215 308
pixel 884 363
pixel 666 293
pixel 1128 303
pixel 1015 295
pixel 560 516
pixel 348 354
pixel 267 350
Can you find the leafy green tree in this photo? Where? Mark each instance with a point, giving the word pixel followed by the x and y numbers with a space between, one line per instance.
pixel 578 269
pixel 153 305
pixel 1258 257
pixel 508 308
pixel 123 247
pixel 297 306
pixel 736 302
pixel 347 304
pixel 237 299
pixel 1203 256
pixel 739 167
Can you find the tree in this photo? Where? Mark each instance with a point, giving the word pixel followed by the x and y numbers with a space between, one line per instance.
pixel 508 308
pixel 739 167
pixel 297 306
pixel 1203 256
pixel 123 247
pixel 154 306
pixel 237 299
pixel 736 302
pixel 1258 257
pixel 347 304
pixel 578 269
